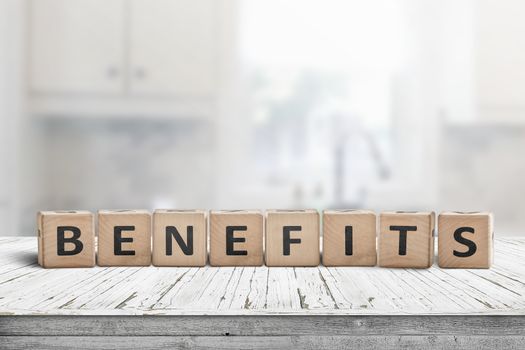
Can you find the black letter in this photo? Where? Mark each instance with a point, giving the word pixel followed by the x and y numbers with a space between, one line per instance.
pixel 230 240
pixel 403 236
pixel 460 239
pixel 61 240
pixel 187 249
pixel 287 240
pixel 349 249
pixel 118 240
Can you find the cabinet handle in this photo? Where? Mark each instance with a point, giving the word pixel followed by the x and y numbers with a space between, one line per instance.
pixel 112 72
pixel 140 73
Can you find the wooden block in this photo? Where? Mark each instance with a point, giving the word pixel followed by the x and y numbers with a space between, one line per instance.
pixel 465 240
pixel 179 237
pixel 124 238
pixel 406 239
pixel 236 238
pixel 66 239
pixel 349 238
pixel 292 238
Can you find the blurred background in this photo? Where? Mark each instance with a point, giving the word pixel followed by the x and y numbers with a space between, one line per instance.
pixel 379 104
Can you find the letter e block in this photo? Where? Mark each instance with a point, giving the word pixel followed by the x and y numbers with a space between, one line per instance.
pixel 236 238
pixel 179 237
pixel 465 240
pixel 349 238
pixel 292 238
pixel 124 238
pixel 66 239
pixel 406 239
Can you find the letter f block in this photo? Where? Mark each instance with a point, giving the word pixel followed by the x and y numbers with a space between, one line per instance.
pixel 66 239
pixel 406 239
pixel 465 240
pixel 292 238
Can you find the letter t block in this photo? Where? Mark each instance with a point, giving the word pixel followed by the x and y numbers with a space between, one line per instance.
pixel 406 239
pixel 66 239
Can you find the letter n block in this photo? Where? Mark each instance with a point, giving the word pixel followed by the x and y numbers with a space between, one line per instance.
pixel 124 238
pixel 292 238
pixel 406 239
pixel 179 237
pixel 236 238
pixel 66 239
pixel 349 238
pixel 465 240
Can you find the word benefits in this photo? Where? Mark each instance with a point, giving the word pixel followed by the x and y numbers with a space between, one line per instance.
pixel 290 237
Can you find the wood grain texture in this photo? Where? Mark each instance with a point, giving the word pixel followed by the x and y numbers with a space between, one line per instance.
pixel 482 236
pixel 249 227
pixel 47 224
pixel 305 225
pixel 138 223
pixel 181 220
pixel 261 325
pixel 268 342
pixel 419 247
pixel 363 238
pixel 28 289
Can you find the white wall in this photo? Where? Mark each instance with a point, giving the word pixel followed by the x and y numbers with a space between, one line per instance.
pixel 8 119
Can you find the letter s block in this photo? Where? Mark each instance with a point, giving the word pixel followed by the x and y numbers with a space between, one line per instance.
pixel 465 240
pixel 124 238
pixel 236 238
pixel 66 239
pixel 179 237
pixel 406 239
pixel 292 238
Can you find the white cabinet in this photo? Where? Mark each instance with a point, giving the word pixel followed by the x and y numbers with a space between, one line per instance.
pixel 123 56
pixel 76 46
pixel 500 58
pixel 172 47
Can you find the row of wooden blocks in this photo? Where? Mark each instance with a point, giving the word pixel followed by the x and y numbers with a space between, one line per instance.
pixel 277 238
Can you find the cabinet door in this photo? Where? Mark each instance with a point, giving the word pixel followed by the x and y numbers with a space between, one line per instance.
pixel 173 47
pixel 500 58
pixel 76 46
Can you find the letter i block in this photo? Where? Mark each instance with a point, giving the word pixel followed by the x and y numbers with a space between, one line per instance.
pixel 124 238
pixel 236 238
pixel 66 239
pixel 406 239
pixel 465 240
pixel 349 238
pixel 292 238
pixel 179 238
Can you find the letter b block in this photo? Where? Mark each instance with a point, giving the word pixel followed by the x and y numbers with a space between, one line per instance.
pixel 292 238
pixel 66 239
pixel 124 238
pixel 406 239
pixel 465 240
pixel 236 238
pixel 179 237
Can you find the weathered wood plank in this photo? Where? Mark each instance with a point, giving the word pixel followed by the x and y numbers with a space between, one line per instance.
pixel 268 342
pixel 27 289
pixel 260 325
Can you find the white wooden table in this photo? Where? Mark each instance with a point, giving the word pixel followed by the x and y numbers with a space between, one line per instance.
pixel 261 307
